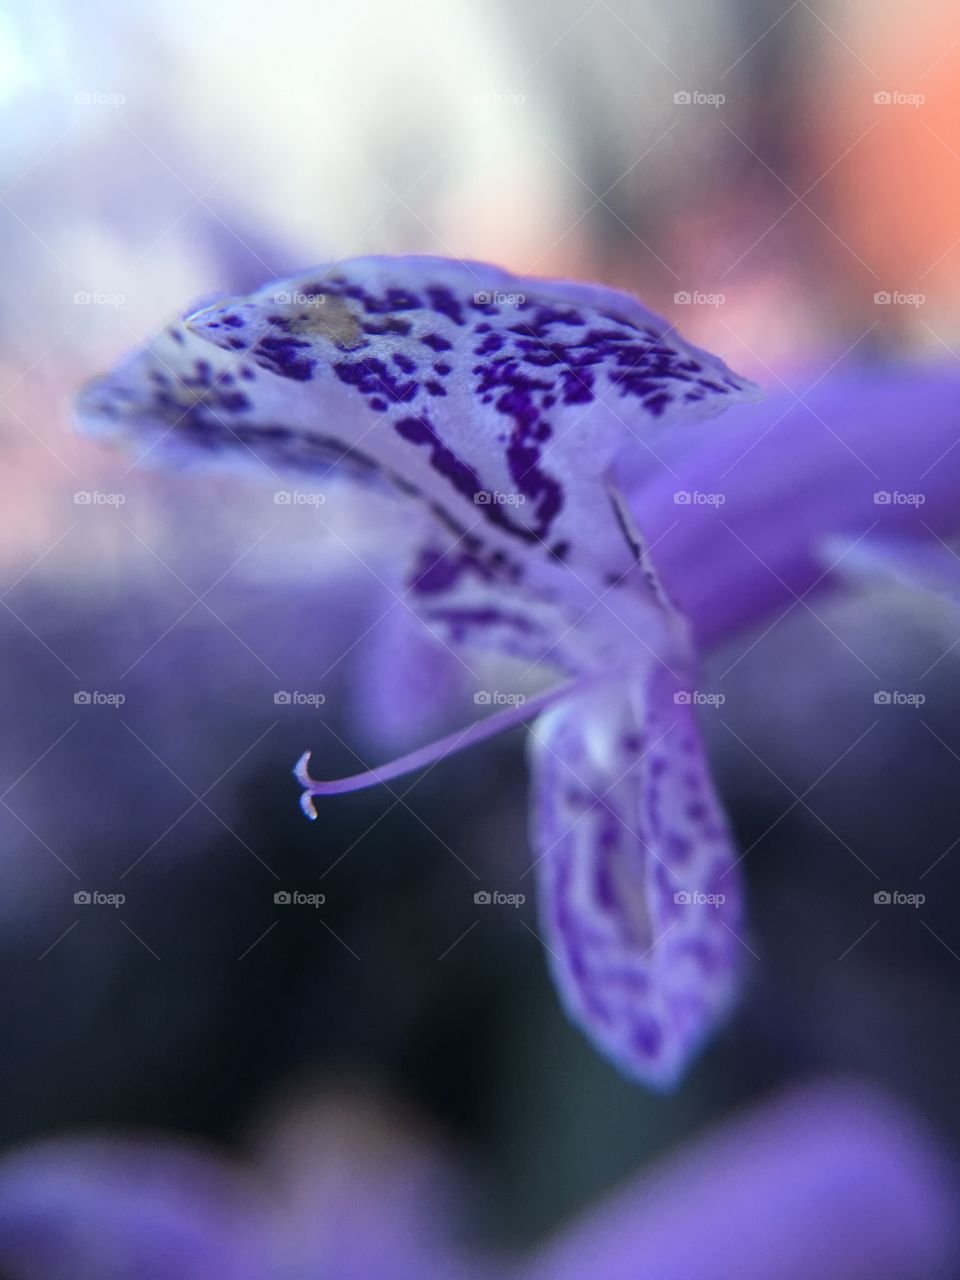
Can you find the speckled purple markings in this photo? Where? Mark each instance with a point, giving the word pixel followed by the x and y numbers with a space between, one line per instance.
pixel 640 902
pixel 487 376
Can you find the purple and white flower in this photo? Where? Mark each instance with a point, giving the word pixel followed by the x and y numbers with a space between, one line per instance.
pixel 526 428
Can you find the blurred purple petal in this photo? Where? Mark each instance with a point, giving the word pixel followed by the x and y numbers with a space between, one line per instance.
pixel 100 1210
pixel 406 684
pixel 342 1192
pixel 834 1182
pixel 738 513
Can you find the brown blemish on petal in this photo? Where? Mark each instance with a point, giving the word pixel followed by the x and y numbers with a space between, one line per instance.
pixel 327 317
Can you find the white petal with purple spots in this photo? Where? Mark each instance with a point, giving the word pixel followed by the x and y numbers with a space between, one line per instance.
pixel 500 401
pixel 639 898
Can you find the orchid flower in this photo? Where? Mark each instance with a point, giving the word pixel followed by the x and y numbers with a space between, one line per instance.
pixel 838 1181
pixel 499 412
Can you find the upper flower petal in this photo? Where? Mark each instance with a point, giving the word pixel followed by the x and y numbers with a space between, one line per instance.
pixel 639 898
pixel 498 402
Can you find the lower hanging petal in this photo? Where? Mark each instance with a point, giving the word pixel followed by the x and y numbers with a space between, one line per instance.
pixel 640 901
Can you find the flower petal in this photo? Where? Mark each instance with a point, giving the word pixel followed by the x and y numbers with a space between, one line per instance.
pixel 639 898
pixel 738 512
pixel 497 401
pixel 86 1209
pixel 833 1180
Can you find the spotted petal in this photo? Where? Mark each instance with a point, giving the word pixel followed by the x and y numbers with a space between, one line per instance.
pixel 497 401
pixel 639 897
